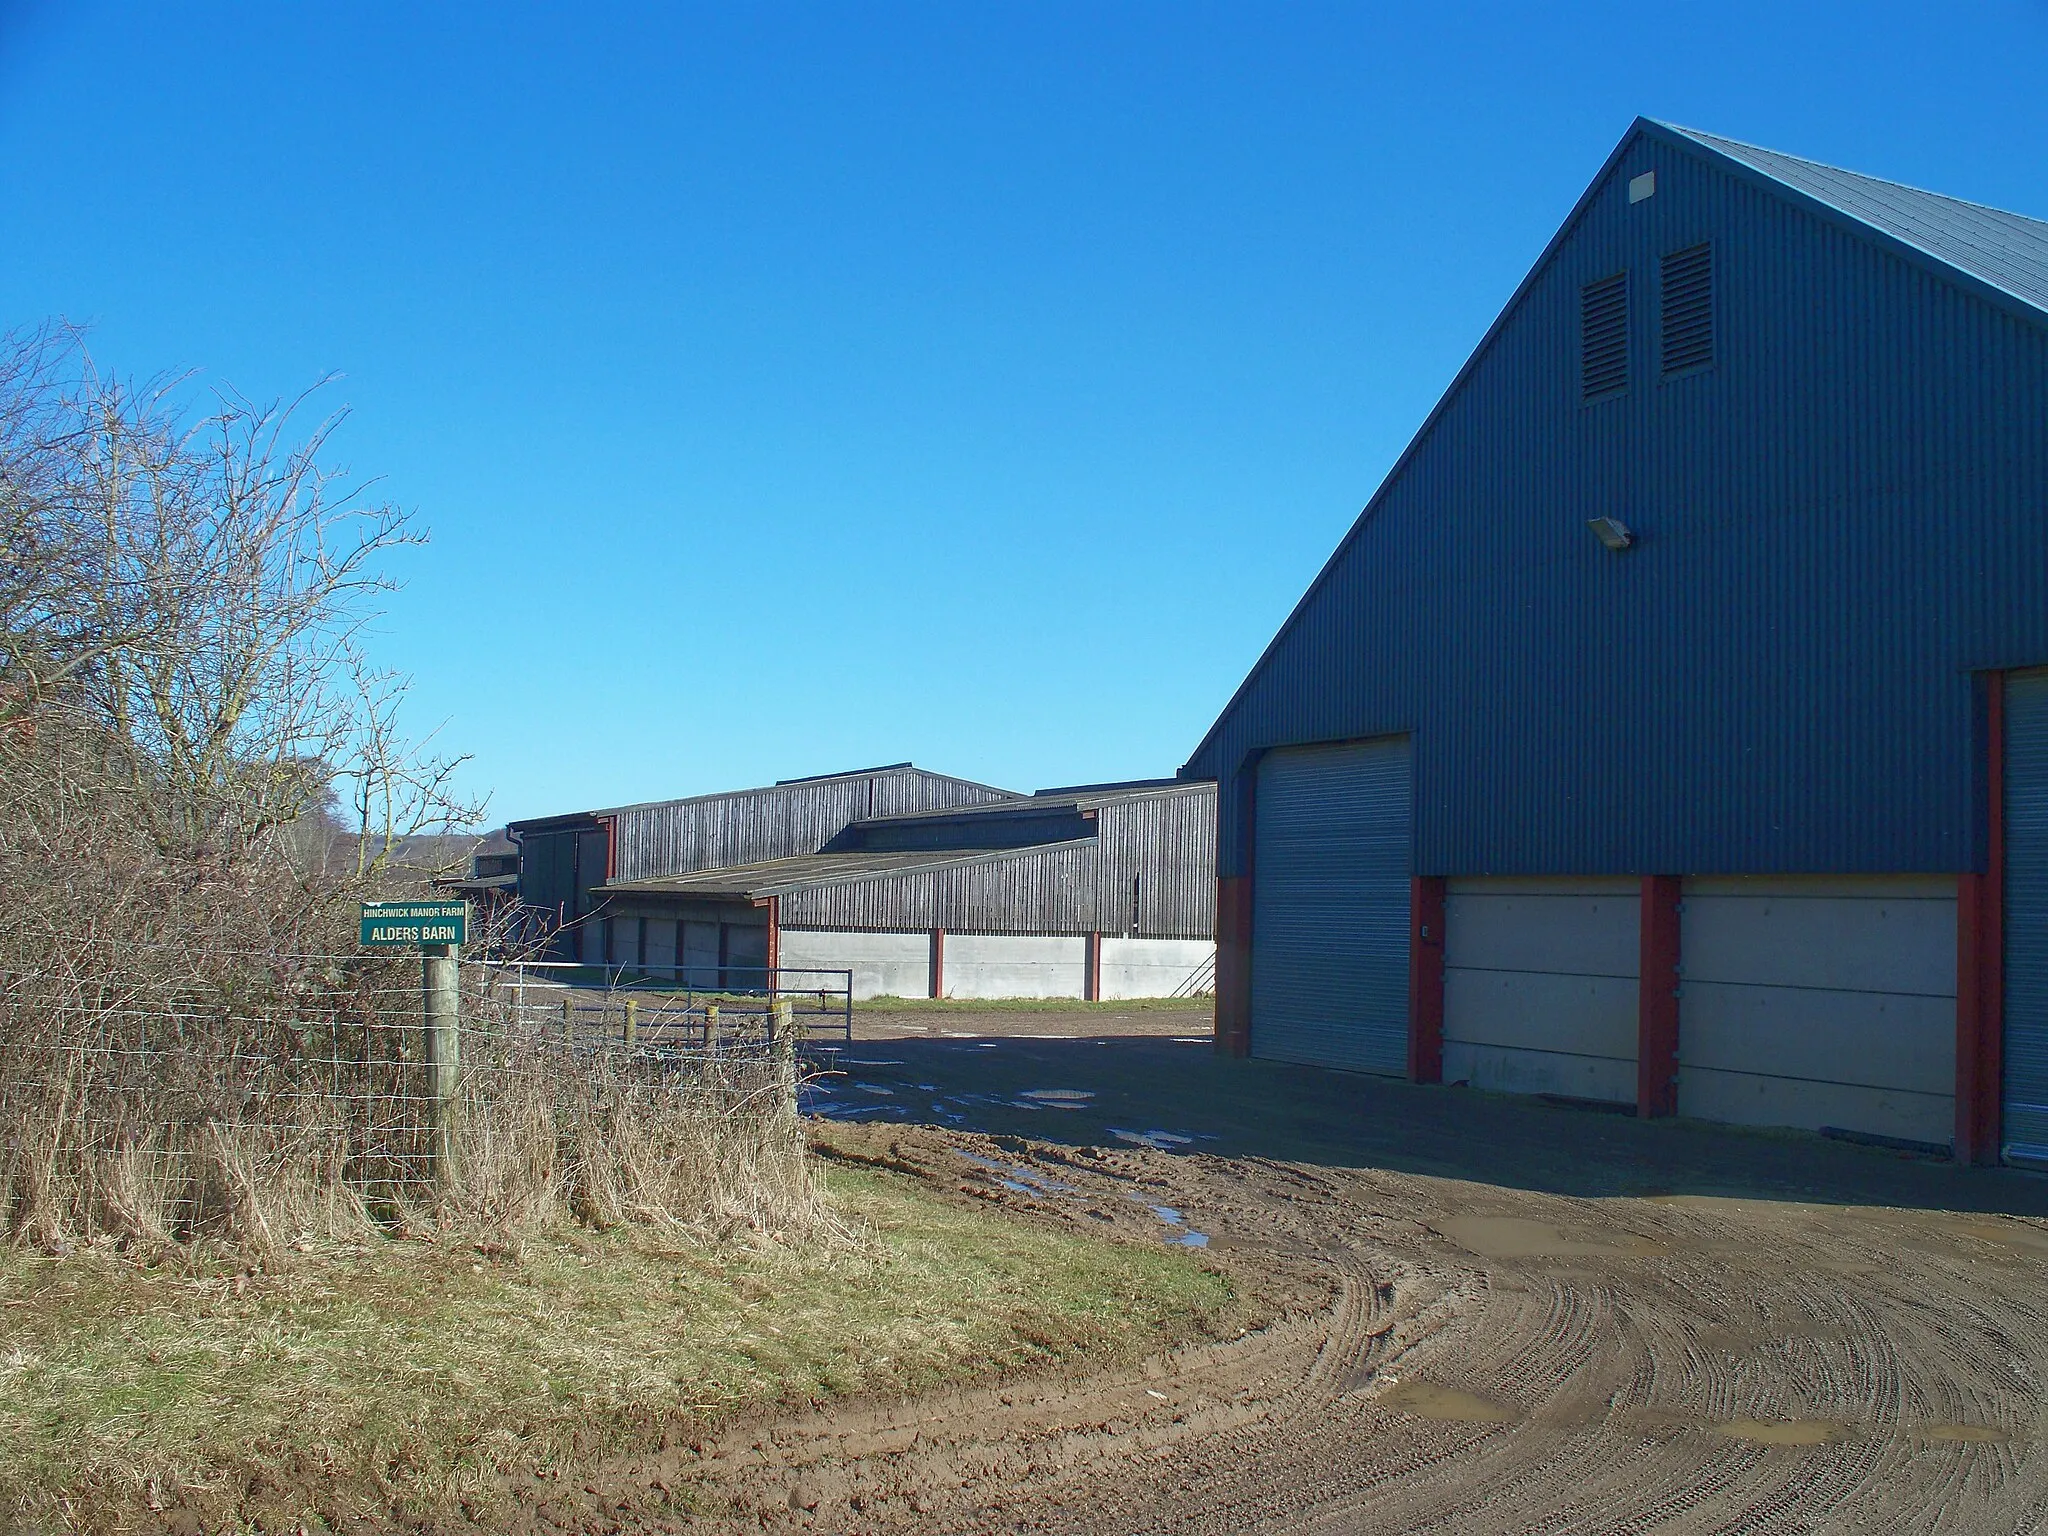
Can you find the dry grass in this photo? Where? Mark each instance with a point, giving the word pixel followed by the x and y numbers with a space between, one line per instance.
pixel 314 1112
pixel 393 1378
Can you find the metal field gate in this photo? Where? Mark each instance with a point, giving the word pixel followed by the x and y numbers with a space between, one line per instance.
pixel 1331 852
pixel 2026 917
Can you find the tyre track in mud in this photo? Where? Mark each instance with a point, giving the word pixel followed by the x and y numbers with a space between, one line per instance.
pixel 1489 1360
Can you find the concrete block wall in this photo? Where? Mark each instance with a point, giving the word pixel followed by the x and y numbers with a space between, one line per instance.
pixel 883 964
pixel 999 965
pixel 1820 1001
pixel 1156 967
pixel 996 965
pixel 1540 986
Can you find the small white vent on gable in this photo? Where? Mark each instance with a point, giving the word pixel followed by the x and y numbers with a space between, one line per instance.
pixel 1643 186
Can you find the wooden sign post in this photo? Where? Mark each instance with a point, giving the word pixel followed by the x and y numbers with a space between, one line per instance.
pixel 438 929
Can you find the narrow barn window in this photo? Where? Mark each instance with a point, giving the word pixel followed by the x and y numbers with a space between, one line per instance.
pixel 1689 308
pixel 1603 337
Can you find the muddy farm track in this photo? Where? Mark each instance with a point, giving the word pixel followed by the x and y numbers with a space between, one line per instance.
pixel 1494 1317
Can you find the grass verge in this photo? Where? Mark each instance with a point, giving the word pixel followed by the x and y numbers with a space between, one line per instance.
pixel 387 1381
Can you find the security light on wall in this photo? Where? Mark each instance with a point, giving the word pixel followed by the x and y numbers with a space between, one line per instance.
pixel 1612 532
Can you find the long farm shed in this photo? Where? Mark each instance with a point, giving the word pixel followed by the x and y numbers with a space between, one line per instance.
pixel 915 883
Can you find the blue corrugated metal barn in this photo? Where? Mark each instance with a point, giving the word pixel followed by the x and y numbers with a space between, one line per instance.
pixel 1671 728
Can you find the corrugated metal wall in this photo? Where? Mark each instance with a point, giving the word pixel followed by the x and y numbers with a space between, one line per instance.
pixel 1050 890
pixel 547 870
pixel 1331 906
pixel 1838 521
pixel 1162 850
pixel 677 837
pixel 2026 917
pixel 1165 843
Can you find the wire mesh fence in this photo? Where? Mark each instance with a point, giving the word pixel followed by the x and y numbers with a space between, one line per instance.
pixel 319 1099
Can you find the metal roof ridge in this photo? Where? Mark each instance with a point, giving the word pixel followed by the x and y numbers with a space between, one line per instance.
pixel 757 789
pixel 1733 154
pixel 1718 140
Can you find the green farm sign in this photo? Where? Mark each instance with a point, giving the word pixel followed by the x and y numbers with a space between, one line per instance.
pixel 414 923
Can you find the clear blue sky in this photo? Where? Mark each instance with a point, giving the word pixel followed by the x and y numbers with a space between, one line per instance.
pixel 797 388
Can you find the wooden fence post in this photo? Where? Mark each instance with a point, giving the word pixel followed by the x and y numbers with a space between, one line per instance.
pixel 782 1037
pixel 441 1008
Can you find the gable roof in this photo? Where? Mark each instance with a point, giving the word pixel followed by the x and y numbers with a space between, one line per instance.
pixel 2000 256
pixel 888 770
pixel 2007 250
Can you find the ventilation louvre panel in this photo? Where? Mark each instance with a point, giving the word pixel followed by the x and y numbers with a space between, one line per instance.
pixel 1689 308
pixel 1603 337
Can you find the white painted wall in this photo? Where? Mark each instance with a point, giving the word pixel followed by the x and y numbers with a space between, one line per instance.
pixel 661 944
pixel 883 964
pixel 1155 967
pixel 1014 965
pixel 1820 1001
pixel 1540 989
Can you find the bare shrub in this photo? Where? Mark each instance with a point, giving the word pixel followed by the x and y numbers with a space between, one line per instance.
pixel 185 702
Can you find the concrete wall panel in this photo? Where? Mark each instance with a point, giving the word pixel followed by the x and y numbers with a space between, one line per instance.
pixel 1879 942
pixel 1014 965
pixel 1540 929
pixel 1744 1098
pixel 1505 1070
pixel 883 964
pixel 1819 1002
pixel 1540 986
pixel 1156 967
pixel 1590 1015
pixel 1875 1039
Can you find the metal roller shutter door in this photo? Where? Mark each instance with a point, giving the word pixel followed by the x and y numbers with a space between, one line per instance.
pixel 1331 863
pixel 2026 917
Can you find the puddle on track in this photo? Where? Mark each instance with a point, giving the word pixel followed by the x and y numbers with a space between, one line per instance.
pixel 1802 1432
pixel 1516 1237
pixel 1015 1177
pixel 1446 1405
pixel 1158 1141
pixel 2013 1234
pixel 1966 1434
pixel 1058 1098
pixel 1020 1180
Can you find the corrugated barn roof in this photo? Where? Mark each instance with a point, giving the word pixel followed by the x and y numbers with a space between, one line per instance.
pixel 2007 250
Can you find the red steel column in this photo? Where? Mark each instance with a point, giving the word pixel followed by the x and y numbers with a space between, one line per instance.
pixel 1234 965
pixel 1091 981
pixel 1426 979
pixel 938 962
pixel 1980 962
pixel 1657 999
pixel 1234 923
pixel 774 940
